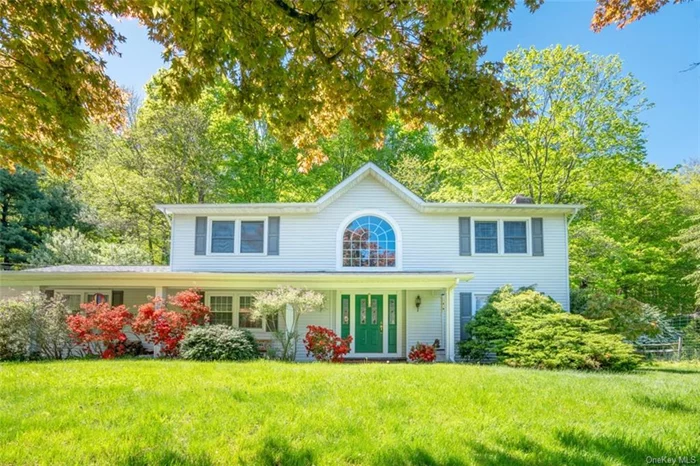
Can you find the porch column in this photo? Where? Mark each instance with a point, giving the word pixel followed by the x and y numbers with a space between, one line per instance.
pixel 450 351
pixel 289 317
pixel 160 293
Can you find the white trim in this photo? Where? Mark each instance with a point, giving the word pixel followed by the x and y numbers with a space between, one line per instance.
pixel 237 235
pixel 339 242
pixel 500 236
pixel 240 235
pixel 400 316
pixel 83 292
pixel 236 309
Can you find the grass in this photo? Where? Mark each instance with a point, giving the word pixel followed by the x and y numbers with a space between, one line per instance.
pixel 175 412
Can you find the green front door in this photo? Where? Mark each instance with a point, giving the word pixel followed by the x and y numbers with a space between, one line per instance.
pixel 369 325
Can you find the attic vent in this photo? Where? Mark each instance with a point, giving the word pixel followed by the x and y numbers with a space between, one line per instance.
pixel 521 199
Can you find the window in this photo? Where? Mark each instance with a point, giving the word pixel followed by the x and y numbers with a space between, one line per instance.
pixel 252 236
pixel 222 235
pixel 72 301
pixel 245 314
pixel 221 310
pixel 515 237
pixel 74 298
pixel 486 237
pixel 98 298
pixel 369 241
pixel 480 301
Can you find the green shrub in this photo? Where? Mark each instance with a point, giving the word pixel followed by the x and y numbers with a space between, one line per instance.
pixel 495 325
pixel 33 326
pixel 567 341
pixel 218 343
pixel 16 316
pixel 624 316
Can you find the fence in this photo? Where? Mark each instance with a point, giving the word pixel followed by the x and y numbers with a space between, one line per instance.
pixel 683 344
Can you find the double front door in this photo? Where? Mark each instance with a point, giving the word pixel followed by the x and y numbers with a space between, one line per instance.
pixel 369 323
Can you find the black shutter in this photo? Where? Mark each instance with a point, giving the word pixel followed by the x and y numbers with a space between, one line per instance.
pixel 537 237
pixel 465 313
pixel 200 237
pixel 465 241
pixel 273 236
pixel 117 297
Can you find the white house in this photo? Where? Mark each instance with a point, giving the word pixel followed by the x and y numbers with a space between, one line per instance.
pixel 395 270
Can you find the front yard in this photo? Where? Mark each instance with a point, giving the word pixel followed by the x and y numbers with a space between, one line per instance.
pixel 175 412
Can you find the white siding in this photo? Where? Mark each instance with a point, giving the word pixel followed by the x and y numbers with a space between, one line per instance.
pixel 323 318
pixel 426 324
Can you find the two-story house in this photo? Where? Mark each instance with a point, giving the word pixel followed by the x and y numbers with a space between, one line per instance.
pixel 395 270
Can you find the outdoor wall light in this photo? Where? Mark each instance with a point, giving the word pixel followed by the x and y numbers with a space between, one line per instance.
pixel 418 303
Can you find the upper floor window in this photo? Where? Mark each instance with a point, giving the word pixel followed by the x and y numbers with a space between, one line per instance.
pixel 252 236
pixel 369 241
pixel 486 237
pixel 222 236
pixel 515 237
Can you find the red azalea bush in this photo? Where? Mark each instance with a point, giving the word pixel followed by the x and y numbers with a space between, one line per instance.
pixel 167 328
pixel 325 344
pixel 99 328
pixel 422 353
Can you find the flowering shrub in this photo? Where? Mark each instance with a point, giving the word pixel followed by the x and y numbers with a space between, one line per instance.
pixel 422 353
pixel 325 344
pixel 99 328
pixel 166 328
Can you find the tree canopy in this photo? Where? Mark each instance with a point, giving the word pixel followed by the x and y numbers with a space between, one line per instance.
pixel 303 66
pixel 53 80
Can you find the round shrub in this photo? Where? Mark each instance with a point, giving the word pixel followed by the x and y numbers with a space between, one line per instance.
pixel 218 343
pixel 495 325
pixel 567 341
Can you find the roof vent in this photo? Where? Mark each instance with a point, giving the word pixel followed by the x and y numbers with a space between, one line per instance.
pixel 522 199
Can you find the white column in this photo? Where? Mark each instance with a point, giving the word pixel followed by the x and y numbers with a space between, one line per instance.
pixel 289 317
pixel 160 293
pixel 450 351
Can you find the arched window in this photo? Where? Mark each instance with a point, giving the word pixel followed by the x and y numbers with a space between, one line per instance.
pixel 369 241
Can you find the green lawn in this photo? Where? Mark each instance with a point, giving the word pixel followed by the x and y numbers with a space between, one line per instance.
pixel 176 412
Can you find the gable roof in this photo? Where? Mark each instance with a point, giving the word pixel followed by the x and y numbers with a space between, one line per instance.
pixel 367 170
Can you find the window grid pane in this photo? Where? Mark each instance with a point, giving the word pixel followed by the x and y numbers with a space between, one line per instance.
pixel 221 308
pixel 369 241
pixel 486 237
pixel 252 236
pixel 245 314
pixel 515 237
pixel 222 236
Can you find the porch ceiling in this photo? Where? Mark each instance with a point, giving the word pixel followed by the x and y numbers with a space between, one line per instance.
pixel 242 280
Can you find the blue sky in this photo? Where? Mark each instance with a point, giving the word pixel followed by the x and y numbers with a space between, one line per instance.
pixel 655 50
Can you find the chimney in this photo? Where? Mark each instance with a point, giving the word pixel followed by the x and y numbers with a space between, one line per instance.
pixel 522 199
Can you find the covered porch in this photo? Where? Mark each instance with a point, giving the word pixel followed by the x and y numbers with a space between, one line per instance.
pixel 385 312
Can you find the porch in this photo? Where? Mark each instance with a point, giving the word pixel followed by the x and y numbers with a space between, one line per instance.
pixel 385 312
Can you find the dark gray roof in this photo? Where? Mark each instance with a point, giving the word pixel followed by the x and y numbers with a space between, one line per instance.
pixel 101 269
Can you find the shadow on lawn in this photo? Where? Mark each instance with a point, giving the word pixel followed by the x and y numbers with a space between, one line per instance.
pixel 672 406
pixel 278 451
pixel 670 370
pixel 166 457
pixel 575 448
